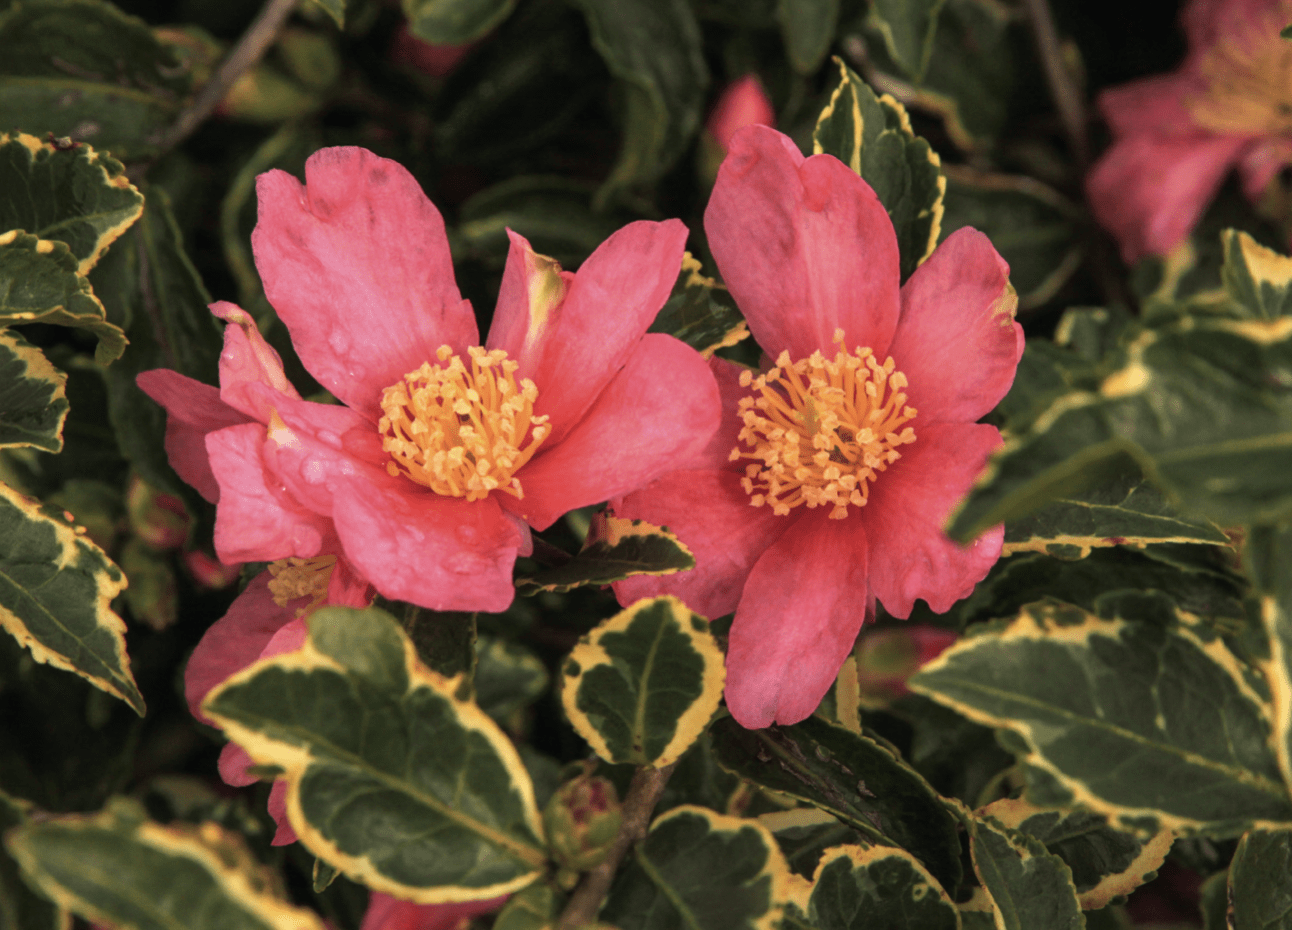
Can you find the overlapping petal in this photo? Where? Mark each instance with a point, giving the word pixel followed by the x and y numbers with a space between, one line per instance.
pixel 193 410
pixel 804 245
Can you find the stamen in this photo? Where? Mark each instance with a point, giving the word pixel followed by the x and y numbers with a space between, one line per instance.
pixel 462 433
pixel 821 431
pixel 294 578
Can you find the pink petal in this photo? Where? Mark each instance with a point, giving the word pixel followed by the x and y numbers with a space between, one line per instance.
pixel 1153 104
pixel 248 360
pixel 257 520
pixel 234 641
pixel 387 913
pixel 1149 191
pixel 356 263
pixel 803 604
pixel 233 765
pixel 957 341
pixel 433 58
pixel 193 409
pixel 277 805
pixel 571 334
pixel 439 552
pixel 909 504
pixel 662 408
pixel 804 245
pixel 711 514
pixel 717 452
pixel 1262 162
pixel 742 103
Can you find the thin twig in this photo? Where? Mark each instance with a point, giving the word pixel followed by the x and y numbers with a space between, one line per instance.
pixel 1063 88
pixel 643 794
pixel 249 50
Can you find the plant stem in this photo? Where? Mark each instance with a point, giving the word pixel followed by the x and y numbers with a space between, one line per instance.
pixel 643 794
pixel 250 48
pixel 1064 90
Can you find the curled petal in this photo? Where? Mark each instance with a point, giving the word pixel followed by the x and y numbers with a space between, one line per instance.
pixel 246 360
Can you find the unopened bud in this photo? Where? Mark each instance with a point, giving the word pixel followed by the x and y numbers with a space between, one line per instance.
pixel 887 657
pixel 157 519
pixel 581 821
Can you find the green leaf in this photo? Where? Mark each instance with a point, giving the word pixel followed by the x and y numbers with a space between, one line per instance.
pixel 508 678
pixel 642 686
pixel 808 28
pixel 852 777
pixel 75 195
pixel 39 283
pixel 1268 558
pixel 390 778
pixel 1151 723
pixel 907 28
pixel 20 907
pixel 1202 404
pixel 55 592
pixel 653 48
pixel 1029 888
pixel 1259 893
pixel 1214 902
pixel 118 868
pixel 535 908
pixel 1124 511
pixel 335 9
pixel 614 549
pixel 878 888
pixel 1034 227
pixel 1106 863
pixel 873 136
pixel 1257 279
pixel 445 640
pixel 700 870
pixel 33 399
pixel 455 22
pixel 700 312
pixel 85 70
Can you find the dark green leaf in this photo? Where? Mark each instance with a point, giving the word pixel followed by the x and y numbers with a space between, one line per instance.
pixel 508 678
pixel 55 591
pixel 853 778
pixel 120 869
pixel 20 907
pixel 700 870
pixel 642 686
pixel 85 70
pixel 391 778
pixel 1034 227
pixel 33 402
pixel 653 48
pixel 39 283
pixel 700 312
pixel 1029 888
pixel 455 22
pixel 1153 724
pixel 1260 895
pixel 75 195
pixel 445 640
pixel 906 28
pixel 335 9
pixel 614 549
pixel 1268 557
pixel 872 135
pixel 808 28
pixel 878 888
pixel 535 908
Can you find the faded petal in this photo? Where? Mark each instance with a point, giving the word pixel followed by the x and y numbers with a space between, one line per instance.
pixel 246 360
pixel 804 245
pixel 439 552
pixel 357 265
pixel 1262 161
pixel 957 341
pixel 193 409
pixel 572 333
pixel 712 516
pixel 742 103
pixel 1153 104
pixel 803 605
pixel 660 409
pixel 1149 190
pixel 910 556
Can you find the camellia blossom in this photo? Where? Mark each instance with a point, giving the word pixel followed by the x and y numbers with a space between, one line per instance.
pixel 829 481
pixel 742 103
pixel 1177 135
pixel 443 453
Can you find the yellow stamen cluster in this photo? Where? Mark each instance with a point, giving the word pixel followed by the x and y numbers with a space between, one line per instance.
pixel 294 578
pixel 820 430
pixel 462 433
pixel 1249 84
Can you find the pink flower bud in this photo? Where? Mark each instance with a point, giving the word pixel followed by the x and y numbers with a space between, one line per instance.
pixel 887 657
pixel 436 60
pixel 743 103
pixel 157 519
pixel 208 571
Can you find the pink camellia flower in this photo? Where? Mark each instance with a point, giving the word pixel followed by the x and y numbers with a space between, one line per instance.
pixel 832 474
pixel 742 103
pixel 1176 136
pixel 443 453
pixel 387 913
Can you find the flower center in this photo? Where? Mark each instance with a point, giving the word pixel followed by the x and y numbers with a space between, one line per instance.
pixel 1249 84
pixel 819 431
pixel 294 578
pixel 462 433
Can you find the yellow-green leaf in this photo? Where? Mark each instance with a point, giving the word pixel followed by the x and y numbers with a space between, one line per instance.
pixel 878 888
pixel 700 312
pixel 1028 887
pixel 1260 895
pixel 614 549
pixel 20 907
pixel 1258 279
pixel 33 397
pixel 642 686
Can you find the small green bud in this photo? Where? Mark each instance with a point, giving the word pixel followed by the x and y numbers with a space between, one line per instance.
pixel 582 820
